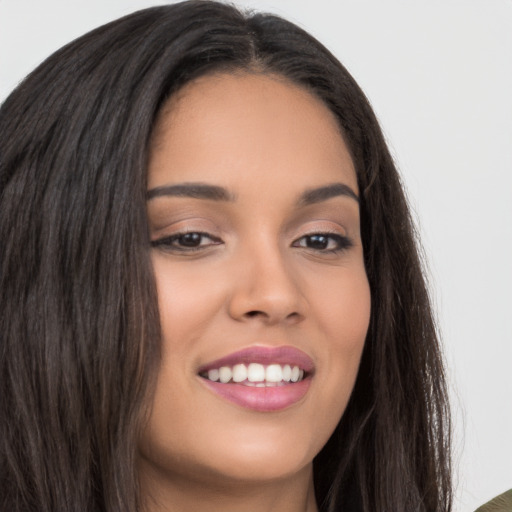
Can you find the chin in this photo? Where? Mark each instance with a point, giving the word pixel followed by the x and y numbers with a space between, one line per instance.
pixel 251 454
pixel 262 463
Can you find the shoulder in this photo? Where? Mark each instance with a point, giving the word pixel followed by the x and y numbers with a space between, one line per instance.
pixel 502 503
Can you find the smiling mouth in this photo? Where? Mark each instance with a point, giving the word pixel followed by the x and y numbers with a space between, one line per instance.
pixel 260 378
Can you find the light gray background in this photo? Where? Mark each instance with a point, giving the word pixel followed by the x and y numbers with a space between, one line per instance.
pixel 439 75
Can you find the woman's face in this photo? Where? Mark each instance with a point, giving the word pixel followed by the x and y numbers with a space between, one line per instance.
pixel 263 296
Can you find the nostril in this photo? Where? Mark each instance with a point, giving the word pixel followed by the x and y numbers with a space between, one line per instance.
pixel 254 313
pixel 266 317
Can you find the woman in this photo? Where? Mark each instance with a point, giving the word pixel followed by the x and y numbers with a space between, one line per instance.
pixel 196 207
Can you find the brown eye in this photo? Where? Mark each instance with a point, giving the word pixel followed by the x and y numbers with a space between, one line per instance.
pixel 328 242
pixel 190 241
pixel 319 242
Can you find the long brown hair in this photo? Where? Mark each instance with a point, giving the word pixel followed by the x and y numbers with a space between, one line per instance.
pixel 79 333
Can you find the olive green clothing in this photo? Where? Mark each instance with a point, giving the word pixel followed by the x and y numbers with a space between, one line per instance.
pixel 502 503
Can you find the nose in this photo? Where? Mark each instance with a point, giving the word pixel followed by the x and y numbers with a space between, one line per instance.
pixel 266 289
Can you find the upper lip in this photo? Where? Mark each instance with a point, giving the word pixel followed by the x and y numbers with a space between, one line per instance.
pixel 264 355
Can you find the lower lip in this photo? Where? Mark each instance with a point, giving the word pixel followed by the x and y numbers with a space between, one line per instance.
pixel 264 399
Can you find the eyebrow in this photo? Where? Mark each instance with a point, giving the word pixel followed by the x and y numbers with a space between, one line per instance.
pixel 194 190
pixel 317 195
pixel 216 193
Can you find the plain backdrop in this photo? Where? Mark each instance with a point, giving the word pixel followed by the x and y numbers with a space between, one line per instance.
pixel 439 75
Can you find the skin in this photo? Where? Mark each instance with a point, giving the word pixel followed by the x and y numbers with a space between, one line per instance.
pixel 256 279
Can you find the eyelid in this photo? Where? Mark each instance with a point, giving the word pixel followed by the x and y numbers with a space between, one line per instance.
pixel 321 225
pixel 184 222
pixel 172 216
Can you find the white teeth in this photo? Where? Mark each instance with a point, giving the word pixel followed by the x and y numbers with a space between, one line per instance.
pixel 213 374
pixel 274 373
pixel 239 373
pixel 256 375
pixel 255 372
pixel 225 374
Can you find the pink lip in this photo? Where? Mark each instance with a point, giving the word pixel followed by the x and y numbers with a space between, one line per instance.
pixel 264 399
pixel 264 355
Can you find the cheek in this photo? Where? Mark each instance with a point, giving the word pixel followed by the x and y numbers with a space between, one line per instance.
pixel 187 301
pixel 343 316
pixel 343 311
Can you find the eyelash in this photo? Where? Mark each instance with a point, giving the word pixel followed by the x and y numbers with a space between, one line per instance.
pixel 342 243
pixel 168 242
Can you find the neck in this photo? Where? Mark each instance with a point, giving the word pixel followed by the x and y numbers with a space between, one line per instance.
pixel 166 493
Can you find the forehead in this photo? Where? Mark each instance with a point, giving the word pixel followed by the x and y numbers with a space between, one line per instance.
pixel 248 120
